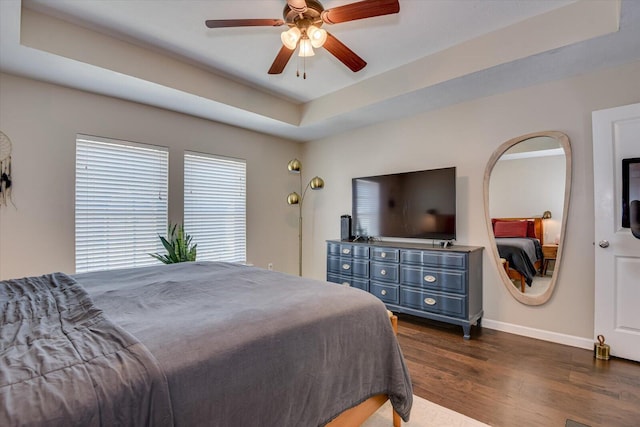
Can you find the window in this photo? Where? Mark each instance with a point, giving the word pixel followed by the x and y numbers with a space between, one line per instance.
pixel 121 203
pixel 215 206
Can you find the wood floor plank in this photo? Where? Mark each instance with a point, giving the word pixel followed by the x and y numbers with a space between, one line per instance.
pixel 507 380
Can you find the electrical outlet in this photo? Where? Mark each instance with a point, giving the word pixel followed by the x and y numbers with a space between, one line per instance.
pixel 270 266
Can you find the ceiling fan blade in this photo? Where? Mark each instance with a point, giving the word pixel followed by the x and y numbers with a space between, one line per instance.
pixel 344 54
pixel 224 23
pixel 360 10
pixel 281 60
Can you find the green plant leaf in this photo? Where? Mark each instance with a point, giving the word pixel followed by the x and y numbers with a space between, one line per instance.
pixel 178 246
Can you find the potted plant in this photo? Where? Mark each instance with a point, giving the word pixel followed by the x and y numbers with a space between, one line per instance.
pixel 178 246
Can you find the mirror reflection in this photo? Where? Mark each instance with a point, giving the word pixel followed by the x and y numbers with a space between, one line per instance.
pixel 527 184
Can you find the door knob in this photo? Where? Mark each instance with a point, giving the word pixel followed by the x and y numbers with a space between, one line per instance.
pixel 604 243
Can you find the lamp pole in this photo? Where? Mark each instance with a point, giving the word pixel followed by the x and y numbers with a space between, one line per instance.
pixel 294 198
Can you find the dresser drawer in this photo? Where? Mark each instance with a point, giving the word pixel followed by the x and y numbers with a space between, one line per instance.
pixel 343 250
pixel 359 283
pixel 333 265
pixel 385 272
pixel 434 302
pixel 434 278
pixel 360 251
pixel 346 250
pixel 385 254
pixel 333 249
pixel 349 281
pixel 348 266
pixel 434 258
pixel 386 292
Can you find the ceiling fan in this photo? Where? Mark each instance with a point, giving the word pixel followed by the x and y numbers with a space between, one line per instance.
pixel 305 19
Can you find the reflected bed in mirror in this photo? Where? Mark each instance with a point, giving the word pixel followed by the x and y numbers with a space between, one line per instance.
pixel 526 192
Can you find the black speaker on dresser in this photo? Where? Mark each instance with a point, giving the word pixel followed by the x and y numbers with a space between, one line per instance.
pixel 345 227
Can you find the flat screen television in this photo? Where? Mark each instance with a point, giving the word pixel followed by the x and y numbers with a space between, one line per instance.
pixel 418 205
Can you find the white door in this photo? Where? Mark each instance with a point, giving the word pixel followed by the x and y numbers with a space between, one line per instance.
pixel 616 136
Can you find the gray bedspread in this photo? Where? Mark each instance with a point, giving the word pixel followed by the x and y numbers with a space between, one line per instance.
pixel 521 253
pixel 241 346
pixel 63 363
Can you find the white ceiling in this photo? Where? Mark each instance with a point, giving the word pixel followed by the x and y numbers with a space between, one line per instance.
pixel 221 74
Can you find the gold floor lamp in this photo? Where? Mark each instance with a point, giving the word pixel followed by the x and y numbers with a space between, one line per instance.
pixel 294 198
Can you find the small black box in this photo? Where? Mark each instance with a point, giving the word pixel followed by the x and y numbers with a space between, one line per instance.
pixel 345 227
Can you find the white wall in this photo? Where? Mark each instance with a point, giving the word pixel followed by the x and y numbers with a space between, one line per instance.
pixel 42 121
pixel 465 136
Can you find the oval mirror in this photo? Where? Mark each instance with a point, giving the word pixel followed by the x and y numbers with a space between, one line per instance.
pixel 526 195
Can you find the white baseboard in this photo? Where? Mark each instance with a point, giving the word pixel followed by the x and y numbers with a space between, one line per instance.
pixel 538 334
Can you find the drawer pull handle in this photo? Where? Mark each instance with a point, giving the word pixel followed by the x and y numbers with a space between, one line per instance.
pixel 429 278
pixel 346 284
pixel 383 255
pixel 346 251
pixel 383 292
pixel 430 301
pixel 346 266
pixel 383 272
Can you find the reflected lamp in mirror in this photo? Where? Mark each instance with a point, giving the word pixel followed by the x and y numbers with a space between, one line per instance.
pixel 528 174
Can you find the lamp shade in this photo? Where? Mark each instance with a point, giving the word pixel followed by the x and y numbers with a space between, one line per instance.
pixel 316 183
pixel 293 198
pixel 305 48
pixel 546 215
pixel 294 166
pixel 317 36
pixel 290 37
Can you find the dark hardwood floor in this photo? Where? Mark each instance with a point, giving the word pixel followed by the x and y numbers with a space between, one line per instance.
pixel 508 380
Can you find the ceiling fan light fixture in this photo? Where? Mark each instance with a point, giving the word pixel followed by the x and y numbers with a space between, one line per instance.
pixel 290 37
pixel 306 48
pixel 317 36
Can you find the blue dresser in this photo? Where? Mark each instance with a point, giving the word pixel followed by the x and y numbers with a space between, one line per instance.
pixel 421 280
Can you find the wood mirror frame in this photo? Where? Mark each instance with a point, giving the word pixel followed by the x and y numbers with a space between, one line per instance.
pixel 563 141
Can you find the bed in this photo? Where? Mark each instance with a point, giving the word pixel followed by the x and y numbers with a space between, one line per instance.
pixel 519 242
pixel 192 344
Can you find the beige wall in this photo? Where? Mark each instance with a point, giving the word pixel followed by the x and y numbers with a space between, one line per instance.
pixel 528 187
pixel 42 121
pixel 465 136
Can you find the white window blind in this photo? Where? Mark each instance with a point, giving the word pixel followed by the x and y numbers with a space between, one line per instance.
pixel 121 203
pixel 215 206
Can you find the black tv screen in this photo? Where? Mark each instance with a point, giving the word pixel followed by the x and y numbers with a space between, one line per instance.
pixel 419 205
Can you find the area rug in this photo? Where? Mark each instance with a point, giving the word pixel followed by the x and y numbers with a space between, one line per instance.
pixel 423 414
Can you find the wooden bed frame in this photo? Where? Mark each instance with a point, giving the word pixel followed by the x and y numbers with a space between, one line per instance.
pixel 538 226
pixel 358 414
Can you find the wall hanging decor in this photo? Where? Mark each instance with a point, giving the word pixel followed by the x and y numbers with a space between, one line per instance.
pixel 5 169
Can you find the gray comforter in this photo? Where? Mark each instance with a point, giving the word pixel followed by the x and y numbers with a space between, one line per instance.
pixel 63 363
pixel 521 253
pixel 241 346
